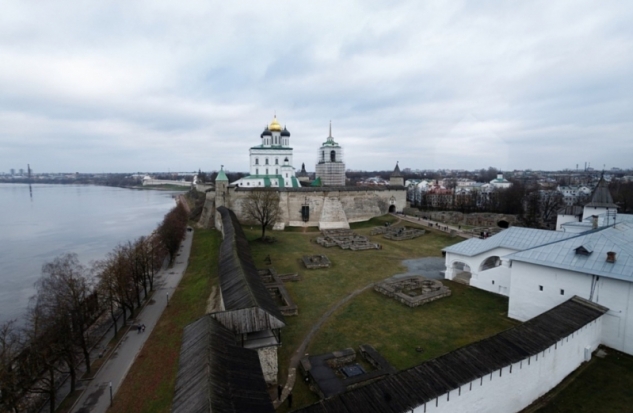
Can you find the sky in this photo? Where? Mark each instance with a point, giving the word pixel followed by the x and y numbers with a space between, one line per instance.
pixel 141 86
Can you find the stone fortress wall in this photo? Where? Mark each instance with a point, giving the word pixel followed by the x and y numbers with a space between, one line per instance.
pixel 333 207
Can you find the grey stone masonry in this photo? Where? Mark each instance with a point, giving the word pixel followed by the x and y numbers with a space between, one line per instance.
pixel 345 239
pixel 413 291
pixel 313 262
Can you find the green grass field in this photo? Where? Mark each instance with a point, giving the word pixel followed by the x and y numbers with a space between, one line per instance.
pixel 392 328
pixel 395 330
pixel 603 386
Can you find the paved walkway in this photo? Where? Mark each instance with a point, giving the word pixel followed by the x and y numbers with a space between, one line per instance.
pixel 300 352
pixel 436 225
pixel 96 396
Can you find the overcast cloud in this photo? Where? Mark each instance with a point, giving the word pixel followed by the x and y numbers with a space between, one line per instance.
pixel 124 86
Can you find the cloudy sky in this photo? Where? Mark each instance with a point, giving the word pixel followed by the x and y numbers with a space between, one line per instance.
pixel 124 86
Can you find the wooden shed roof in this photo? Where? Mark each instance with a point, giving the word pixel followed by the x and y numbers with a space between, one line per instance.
pixel 240 283
pixel 215 375
pixel 411 388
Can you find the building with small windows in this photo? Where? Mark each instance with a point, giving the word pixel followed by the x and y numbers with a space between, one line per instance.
pixel 330 168
pixel 539 269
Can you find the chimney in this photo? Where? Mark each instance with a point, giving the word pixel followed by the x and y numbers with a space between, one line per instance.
pixel 594 221
pixel 611 256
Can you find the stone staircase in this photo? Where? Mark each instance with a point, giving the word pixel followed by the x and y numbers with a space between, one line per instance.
pixel 333 215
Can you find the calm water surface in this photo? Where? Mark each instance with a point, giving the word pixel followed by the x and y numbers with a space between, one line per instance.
pixel 87 220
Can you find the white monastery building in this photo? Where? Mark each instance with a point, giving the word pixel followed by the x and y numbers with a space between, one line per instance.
pixel 539 269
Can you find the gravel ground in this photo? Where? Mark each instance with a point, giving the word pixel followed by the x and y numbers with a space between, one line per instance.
pixel 429 267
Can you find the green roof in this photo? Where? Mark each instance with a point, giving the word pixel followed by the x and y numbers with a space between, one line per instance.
pixel 221 175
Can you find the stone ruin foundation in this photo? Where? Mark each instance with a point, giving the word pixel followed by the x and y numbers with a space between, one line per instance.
pixel 274 283
pixel 313 262
pixel 345 239
pixel 398 233
pixel 413 291
pixel 340 371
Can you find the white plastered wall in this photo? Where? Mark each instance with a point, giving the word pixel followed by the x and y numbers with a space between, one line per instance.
pixel 515 387
pixel 527 300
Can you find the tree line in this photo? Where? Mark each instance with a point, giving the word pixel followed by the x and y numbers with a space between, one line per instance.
pixel 535 208
pixel 73 303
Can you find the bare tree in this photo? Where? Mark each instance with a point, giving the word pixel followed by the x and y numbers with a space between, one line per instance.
pixel 172 230
pixel 12 379
pixel 551 203
pixel 66 296
pixel 262 206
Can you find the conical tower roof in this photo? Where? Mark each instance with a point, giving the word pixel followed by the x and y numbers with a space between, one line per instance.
pixel 396 172
pixel 601 196
pixel 221 175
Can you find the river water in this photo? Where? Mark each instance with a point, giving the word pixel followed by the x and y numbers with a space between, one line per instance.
pixel 54 219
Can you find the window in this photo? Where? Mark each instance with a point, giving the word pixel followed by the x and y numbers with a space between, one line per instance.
pixel 266 171
pixel 257 171
pixel 493 282
pixel 540 288
pixel 256 161
pixel 276 171
pixel 276 161
pixel 266 161
pixel 562 292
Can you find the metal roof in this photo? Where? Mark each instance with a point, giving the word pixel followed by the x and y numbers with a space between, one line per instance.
pixel 562 254
pixel 601 196
pixel 240 284
pixel 421 384
pixel 215 375
pixel 514 238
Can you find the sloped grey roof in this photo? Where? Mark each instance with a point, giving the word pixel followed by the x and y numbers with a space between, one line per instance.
pixel 601 196
pixel 514 238
pixel 215 375
pixel 240 283
pixel 396 172
pixel 570 210
pixel 408 389
pixel 562 254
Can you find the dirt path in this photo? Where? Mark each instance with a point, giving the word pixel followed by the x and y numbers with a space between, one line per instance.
pixel 300 352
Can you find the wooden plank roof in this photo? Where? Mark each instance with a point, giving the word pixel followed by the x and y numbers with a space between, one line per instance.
pixel 240 283
pixel 413 387
pixel 216 375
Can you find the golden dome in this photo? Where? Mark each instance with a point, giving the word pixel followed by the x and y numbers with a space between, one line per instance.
pixel 274 125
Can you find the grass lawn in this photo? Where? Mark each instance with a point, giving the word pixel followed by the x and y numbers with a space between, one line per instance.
pixel 603 386
pixel 394 329
pixel 149 385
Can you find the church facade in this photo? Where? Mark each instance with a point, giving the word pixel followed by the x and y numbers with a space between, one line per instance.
pixel 334 206
pixel 270 162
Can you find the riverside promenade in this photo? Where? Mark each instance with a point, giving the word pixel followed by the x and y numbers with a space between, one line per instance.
pixel 96 396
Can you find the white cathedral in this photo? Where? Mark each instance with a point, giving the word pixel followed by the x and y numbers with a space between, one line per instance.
pixel 271 160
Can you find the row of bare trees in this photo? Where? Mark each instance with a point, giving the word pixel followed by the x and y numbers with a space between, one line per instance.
pixel 61 327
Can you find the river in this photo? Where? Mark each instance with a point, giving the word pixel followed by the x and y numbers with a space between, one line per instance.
pixel 54 219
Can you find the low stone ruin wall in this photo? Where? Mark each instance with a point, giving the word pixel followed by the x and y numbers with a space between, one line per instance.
pixel 404 290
